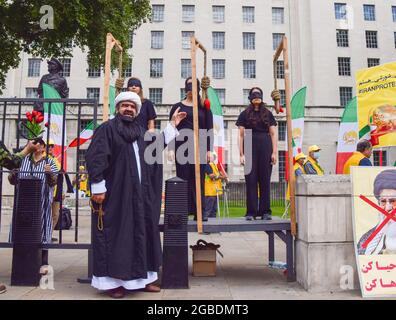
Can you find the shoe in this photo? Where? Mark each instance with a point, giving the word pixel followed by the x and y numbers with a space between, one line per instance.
pixel 249 218
pixel 54 239
pixel 117 293
pixel 152 288
pixel 3 288
pixel 267 217
pixel 203 219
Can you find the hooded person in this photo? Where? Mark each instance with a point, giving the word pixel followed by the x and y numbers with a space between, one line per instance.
pixel 385 193
pixel 125 240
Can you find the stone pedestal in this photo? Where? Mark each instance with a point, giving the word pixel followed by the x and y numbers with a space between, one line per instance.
pixel 324 242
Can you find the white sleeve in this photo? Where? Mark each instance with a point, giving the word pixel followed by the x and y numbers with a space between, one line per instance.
pixel 170 133
pixel 99 187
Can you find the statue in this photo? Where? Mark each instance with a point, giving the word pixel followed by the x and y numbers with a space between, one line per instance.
pixel 55 80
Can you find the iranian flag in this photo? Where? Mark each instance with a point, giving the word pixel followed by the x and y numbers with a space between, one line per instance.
pixel 297 115
pixel 56 125
pixel 85 135
pixel 347 135
pixel 218 125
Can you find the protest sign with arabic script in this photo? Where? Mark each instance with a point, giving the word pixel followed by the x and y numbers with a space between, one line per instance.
pixel 374 226
pixel 376 95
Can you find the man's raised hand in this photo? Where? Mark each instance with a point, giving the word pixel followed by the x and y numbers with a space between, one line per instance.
pixel 178 117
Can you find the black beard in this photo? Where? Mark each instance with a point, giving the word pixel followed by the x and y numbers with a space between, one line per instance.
pixel 128 128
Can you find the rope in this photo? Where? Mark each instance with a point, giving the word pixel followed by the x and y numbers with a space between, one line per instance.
pixel 205 84
pixel 100 215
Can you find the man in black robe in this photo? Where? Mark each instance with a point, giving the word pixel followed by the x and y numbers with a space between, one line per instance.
pixel 126 247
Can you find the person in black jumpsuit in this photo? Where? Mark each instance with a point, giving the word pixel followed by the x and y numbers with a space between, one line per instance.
pixel 146 118
pixel 186 169
pixel 258 159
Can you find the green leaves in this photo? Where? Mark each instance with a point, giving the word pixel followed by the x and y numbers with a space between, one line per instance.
pixel 84 22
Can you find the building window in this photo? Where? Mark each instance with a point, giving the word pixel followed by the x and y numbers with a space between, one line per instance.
pixel 345 95
pixel 182 94
pixel 373 62
pixel 155 95
pixel 218 14
pixel 283 97
pixel 282 125
pixel 185 68
pixel 377 158
pixel 282 165
pixel 186 39
pixel 246 96
pixel 156 68
pixel 280 70
pixel 158 13
pixel 278 15
pixel 340 11
pixel 93 93
pixel 249 40
pixel 221 95
pixel 371 39
pixel 157 124
pixel 249 69
pixel 34 67
pixel 344 66
pixel 395 38
pixel 248 14
pixel 394 13
pixel 93 72
pixel 127 72
pixel 342 38
pixel 218 40
pixel 66 67
pixel 81 157
pixel 369 12
pixel 276 40
pixel 130 39
pixel 188 13
pixel 157 39
pixel 31 93
pixel 225 133
pixel 218 68
pixel 84 123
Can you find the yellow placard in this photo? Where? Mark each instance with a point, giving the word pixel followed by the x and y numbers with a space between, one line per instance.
pixel 376 98
pixel 374 202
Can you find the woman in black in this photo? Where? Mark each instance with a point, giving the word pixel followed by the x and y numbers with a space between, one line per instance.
pixel 259 159
pixel 185 168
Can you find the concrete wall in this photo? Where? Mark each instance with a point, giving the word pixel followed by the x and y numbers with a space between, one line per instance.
pixel 324 242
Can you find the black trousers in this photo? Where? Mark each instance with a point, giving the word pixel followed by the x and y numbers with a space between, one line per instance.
pixel 258 160
pixel 187 172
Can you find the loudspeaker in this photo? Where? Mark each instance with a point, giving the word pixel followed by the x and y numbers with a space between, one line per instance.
pixel 175 251
pixel 26 233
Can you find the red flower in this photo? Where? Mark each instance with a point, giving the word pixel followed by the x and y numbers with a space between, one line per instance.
pixel 46 124
pixel 34 113
pixel 207 104
pixel 281 109
pixel 29 116
pixel 39 119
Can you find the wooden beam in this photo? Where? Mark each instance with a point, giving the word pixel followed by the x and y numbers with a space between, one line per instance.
pixel 196 133
pixel 292 177
pixel 110 43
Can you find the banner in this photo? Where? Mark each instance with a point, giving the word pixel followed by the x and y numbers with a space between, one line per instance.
pixel 348 136
pixel 376 94
pixel 56 129
pixel 218 124
pixel 374 226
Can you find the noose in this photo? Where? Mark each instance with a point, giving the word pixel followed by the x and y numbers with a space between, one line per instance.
pixel 205 84
pixel 119 83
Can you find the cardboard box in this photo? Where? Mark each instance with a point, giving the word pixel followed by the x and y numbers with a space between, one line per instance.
pixel 204 263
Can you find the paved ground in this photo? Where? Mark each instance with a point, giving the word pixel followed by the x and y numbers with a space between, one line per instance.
pixel 243 273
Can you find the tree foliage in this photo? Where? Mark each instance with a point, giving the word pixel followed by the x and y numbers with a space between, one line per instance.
pixel 84 23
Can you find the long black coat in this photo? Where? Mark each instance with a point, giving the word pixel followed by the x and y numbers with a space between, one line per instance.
pixel 129 245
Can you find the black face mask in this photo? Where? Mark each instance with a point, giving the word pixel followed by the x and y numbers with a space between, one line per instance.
pixel 255 95
pixel 128 128
pixel 188 87
pixel 134 82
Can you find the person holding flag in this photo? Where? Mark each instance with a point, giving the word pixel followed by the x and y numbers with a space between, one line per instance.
pixel 262 155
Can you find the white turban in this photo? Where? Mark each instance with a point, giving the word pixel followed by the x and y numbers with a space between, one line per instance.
pixel 129 96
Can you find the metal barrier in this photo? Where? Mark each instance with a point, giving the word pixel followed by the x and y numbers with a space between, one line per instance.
pixel 74 110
